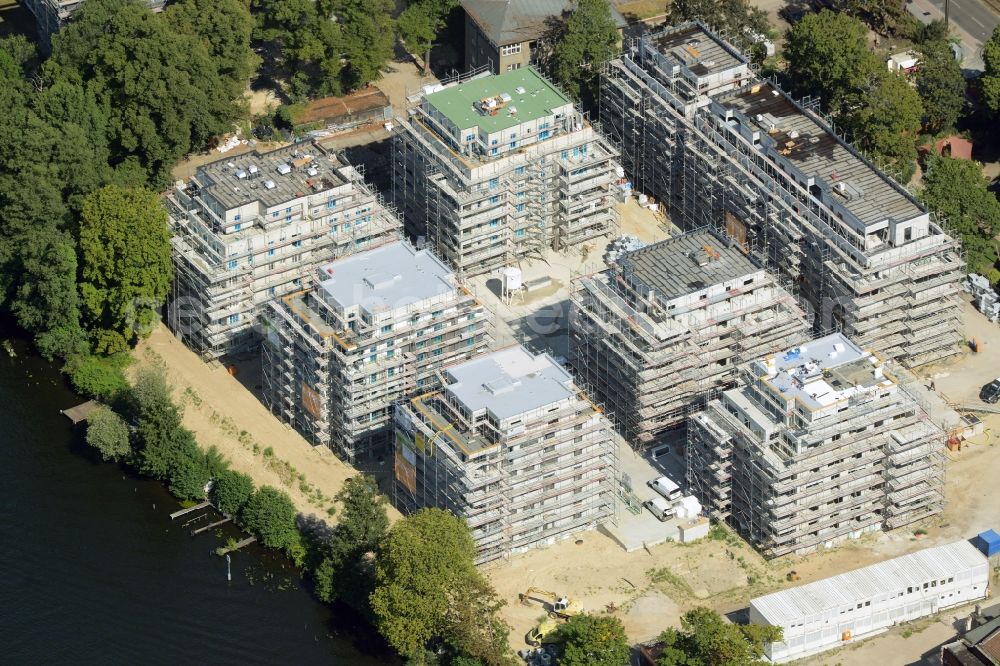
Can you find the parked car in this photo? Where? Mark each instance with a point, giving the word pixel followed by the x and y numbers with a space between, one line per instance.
pixel 664 486
pixel 660 508
pixel 991 392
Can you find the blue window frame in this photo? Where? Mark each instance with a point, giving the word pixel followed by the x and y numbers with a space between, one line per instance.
pixel 520 232
pixel 296 282
pixel 237 217
pixel 232 264
pixel 470 137
pixel 493 151
pixel 238 226
pixel 271 291
pixel 519 170
pixel 274 213
pixel 494 183
pixel 332 203
pixel 387 328
pixel 390 353
pixel 495 199
pixel 544 134
pixel 270 252
pixel 519 208
pixel 288 210
pixel 373 358
pixel 390 372
pixel 297 243
pixel 495 222
pixel 234 318
pixel 513 145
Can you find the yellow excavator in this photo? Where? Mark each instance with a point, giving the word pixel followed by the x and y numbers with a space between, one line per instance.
pixel 558 606
pixel 546 632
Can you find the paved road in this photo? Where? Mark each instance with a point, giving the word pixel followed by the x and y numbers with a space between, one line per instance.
pixel 973 16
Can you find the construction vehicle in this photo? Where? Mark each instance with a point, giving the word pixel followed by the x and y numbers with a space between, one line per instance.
pixel 545 633
pixel 559 607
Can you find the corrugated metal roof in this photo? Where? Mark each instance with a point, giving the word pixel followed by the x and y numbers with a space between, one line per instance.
pixel 511 21
pixel 846 589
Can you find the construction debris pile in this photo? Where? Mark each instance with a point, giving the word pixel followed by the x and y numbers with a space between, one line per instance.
pixel 987 300
pixel 621 246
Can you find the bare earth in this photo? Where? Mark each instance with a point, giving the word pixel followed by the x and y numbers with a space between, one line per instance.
pixel 726 574
pixel 223 413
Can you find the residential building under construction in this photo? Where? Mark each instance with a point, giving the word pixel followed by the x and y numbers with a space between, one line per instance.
pixel 255 227
pixel 820 443
pixel 500 167
pixel 666 326
pixel 374 329
pixel 513 446
pixel 720 147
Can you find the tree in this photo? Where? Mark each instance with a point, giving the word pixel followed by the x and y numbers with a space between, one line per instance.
pixel 956 190
pixel 362 526
pixel 884 16
pixel 108 433
pixel 100 377
pixel 990 80
pixel 737 18
pixel 940 85
pixel 589 40
pixel 828 58
pixel 594 640
pixel 705 639
pixel 419 24
pixel 884 119
pixel 368 36
pixel 303 44
pixel 270 514
pixel 230 491
pixel 423 567
pixel 125 265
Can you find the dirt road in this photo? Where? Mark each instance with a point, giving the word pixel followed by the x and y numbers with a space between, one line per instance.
pixel 225 414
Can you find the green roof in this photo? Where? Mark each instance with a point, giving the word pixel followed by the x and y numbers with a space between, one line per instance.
pixel 539 99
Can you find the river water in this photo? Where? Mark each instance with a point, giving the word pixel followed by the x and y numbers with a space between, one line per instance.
pixel 92 570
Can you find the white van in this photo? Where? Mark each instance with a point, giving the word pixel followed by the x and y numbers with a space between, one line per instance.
pixel 664 486
pixel 660 508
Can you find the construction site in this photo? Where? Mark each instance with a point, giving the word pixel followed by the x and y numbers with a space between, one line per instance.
pixel 666 326
pixel 375 329
pixel 255 227
pixel 490 169
pixel 512 445
pixel 722 148
pixel 819 443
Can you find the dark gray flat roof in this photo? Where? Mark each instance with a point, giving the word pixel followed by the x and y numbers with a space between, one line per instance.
pixel 688 263
pixel 699 50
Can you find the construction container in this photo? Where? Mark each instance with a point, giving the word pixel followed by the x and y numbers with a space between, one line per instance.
pixel 988 543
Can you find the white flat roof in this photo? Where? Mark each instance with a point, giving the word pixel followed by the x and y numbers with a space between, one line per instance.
pixel 895 575
pixel 385 278
pixel 509 382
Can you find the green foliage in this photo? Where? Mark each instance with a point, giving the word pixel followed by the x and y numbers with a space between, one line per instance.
pixel 108 433
pixel 940 85
pixel 362 526
pixel 125 265
pixel 230 491
pixel 884 120
pixel 705 639
pixel 990 80
pixel 427 589
pixel 270 514
pixel 737 18
pixel 886 17
pixel 594 640
pixel 419 25
pixel 956 190
pixel 369 36
pixel 100 377
pixel 828 58
pixel 588 41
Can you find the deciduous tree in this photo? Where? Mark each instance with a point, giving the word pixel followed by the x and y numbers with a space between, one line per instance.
pixel 705 639
pixel 589 40
pixel 956 190
pixel 594 640
pixel 941 86
pixel 125 265
pixel 108 433
pixel 884 117
pixel 270 514
pixel 230 491
pixel 990 80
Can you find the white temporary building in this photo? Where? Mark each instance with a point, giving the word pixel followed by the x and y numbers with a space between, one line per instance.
pixel 836 610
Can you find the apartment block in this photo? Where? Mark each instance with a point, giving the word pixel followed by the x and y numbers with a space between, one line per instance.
pixel 255 227
pixel 820 443
pixel 665 328
pixel 500 167
pixel 512 445
pixel 717 146
pixel 375 328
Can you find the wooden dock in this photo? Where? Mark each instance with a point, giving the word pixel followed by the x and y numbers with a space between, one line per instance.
pixel 81 412
pixel 210 526
pixel 200 505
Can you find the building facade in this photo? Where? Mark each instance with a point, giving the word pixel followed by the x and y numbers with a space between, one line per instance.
pixel 254 227
pixel 819 443
pixel 513 446
pixel 665 327
pixel 376 328
pixel 720 147
pixel 499 168
pixel 836 611
pixel 505 35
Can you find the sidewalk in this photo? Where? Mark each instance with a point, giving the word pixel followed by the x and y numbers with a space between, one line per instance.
pixel 972 49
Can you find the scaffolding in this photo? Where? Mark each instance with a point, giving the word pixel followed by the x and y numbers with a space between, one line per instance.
pixel 791 479
pixel 552 476
pixel 725 153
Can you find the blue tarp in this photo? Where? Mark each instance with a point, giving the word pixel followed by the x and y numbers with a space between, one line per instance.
pixel 988 543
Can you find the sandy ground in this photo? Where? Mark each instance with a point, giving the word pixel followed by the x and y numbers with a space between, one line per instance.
pixel 651 589
pixel 225 414
pixel 402 79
